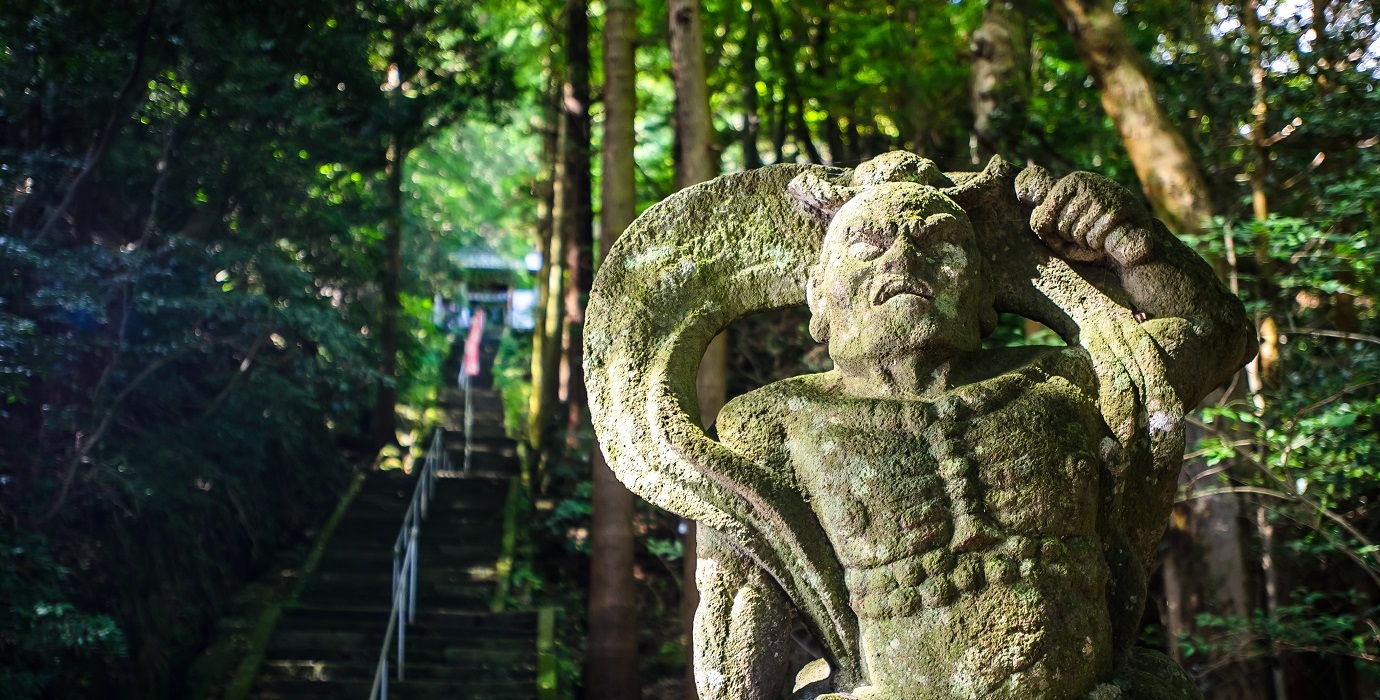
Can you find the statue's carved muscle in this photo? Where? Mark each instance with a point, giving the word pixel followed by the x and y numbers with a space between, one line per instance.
pixel 949 522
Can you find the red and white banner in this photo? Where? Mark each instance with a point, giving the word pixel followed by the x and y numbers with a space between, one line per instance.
pixel 471 366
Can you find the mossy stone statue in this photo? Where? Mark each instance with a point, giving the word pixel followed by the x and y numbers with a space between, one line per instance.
pixel 947 521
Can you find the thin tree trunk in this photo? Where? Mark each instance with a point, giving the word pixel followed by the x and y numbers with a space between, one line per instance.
pixel 823 72
pixel 540 421
pixel 695 164
pixel 579 226
pixel 1167 171
pixel 1000 84
pixel 390 272
pixel 780 113
pixel 538 401
pixel 1262 367
pixel 752 158
pixel 611 658
pixel 1270 568
pixel 793 114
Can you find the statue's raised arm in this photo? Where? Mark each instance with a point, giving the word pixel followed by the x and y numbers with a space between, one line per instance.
pixel 949 521
pixel 686 269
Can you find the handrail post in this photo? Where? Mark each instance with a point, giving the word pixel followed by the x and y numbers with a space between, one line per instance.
pixel 402 643
pixel 397 566
pixel 412 585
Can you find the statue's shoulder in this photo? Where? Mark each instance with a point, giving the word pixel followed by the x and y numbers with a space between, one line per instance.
pixel 774 402
pixel 761 418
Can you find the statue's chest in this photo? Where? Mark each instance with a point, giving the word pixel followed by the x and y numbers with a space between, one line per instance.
pixel 893 478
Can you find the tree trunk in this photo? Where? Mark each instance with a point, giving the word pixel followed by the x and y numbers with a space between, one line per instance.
pixel 539 401
pixel 780 113
pixel 793 107
pixel 611 665
pixel 695 164
pixel 1167 171
pixel 1263 366
pixel 384 428
pixel 1215 580
pixel 579 225
pixel 539 422
pixel 752 158
pixel 1000 82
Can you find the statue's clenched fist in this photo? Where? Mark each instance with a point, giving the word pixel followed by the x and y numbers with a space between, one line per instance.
pixel 1086 218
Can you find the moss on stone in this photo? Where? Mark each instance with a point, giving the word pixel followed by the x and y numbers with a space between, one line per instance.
pixel 949 522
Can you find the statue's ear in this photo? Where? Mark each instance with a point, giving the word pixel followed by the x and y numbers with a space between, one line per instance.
pixel 819 317
pixel 821 198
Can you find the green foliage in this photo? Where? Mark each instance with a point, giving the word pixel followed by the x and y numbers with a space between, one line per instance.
pixel 38 629
pixel 189 314
pixel 511 366
pixel 188 310
pixel 1304 450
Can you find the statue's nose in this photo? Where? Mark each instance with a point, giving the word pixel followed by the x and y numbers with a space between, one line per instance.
pixel 902 258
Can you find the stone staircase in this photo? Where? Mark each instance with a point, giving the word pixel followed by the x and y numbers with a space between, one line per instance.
pixel 326 644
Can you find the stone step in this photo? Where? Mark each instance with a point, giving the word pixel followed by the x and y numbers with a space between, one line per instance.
pixel 464 550
pixel 424 645
pixel 327 643
pixel 429 598
pixel 505 673
pixel 370 617
pixel 411 690
pixel 435 532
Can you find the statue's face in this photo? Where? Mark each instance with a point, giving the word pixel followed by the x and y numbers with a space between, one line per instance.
pixel 898 275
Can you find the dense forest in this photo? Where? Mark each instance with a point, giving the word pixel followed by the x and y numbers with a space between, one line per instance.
pixel 224 224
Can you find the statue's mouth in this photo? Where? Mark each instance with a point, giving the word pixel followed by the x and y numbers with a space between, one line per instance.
pixel 894 286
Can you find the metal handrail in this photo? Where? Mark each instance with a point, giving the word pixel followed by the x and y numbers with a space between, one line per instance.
pixel 404 609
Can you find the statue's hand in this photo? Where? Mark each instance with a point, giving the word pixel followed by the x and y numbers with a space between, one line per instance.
pixel 1086 218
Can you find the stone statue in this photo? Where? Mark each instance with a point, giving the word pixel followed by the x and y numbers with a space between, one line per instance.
pixel 948 521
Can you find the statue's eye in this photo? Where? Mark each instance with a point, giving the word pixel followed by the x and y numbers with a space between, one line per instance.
pixel 865 245
pixel 864 250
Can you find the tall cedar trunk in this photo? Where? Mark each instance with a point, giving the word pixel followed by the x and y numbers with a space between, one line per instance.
pixel 538 406
pixel 778 129
pixel 1158 152
pixel 611 659
pixel 1206 543
pixel 695 164
pixel 550 358
pixel 823 70
pixel 793 107
pixel 752 121
pixel 579 225
pixel 1212 563
pixel 1000 86
pixel 384 428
